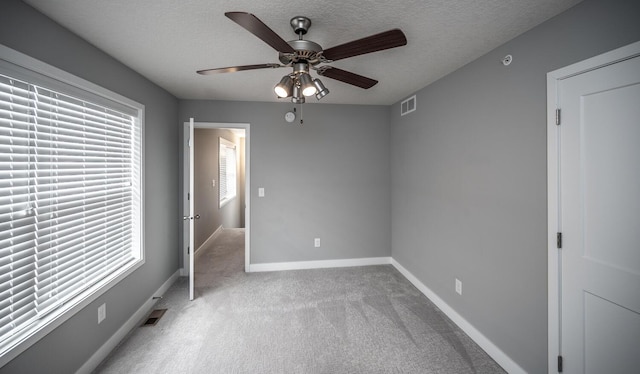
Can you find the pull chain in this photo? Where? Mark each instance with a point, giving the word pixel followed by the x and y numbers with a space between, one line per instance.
pixel 301 120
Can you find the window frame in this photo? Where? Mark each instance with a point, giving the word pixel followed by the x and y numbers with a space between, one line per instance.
pixel 22 66
pixel 222 142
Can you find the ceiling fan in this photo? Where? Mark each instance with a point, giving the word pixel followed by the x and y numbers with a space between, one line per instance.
pixel 303 55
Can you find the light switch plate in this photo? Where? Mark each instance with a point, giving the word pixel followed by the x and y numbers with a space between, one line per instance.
pixel 261 192
pixel 458 286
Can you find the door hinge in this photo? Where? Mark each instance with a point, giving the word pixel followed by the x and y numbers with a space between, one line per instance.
pixel 188 195
pixel 559 364
pixel 559 240
pixel 188 250
pixel 558 116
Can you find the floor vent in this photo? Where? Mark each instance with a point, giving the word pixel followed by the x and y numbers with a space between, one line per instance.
pixel 154 317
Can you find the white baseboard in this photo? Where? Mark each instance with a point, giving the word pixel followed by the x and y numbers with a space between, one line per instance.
pixel 492 350
pixel 184 272
pixel 298 265
pixel 211 238
pixel 92 363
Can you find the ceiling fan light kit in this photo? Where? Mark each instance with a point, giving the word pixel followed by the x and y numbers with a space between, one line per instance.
pixel 285 87
pixel 322 91
pixel 305 55
pixel 308 89
pixel 297 97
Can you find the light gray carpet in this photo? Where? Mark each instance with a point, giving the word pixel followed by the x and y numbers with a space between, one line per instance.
pixel 347 320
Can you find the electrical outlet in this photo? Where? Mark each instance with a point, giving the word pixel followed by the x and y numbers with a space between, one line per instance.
pixel 213 183
pixel 261 192
pixel 102 313
pixel 458 286
pixel 316 242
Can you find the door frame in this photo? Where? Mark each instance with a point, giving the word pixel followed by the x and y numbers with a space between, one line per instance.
pixel 247 184
pixel 554 214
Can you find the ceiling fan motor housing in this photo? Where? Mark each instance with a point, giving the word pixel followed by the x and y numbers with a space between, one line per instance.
pixel 306 50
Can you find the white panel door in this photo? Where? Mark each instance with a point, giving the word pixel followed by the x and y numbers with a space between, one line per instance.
pixel 599 194
pixel 188 207
pixel 192 214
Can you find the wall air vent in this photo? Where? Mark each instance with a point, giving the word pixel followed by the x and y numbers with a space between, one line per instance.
pixel 408 106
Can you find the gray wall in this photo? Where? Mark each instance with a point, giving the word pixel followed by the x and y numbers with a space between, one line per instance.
pixel 66 348
pixel 328 178
pixel 468 197
pixel 469 177
pixel 206 202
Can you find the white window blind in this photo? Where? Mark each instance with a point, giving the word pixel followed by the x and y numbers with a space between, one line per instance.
pixel 70 199
pixel 227 167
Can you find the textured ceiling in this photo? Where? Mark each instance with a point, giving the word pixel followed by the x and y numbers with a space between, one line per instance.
pixel 168 40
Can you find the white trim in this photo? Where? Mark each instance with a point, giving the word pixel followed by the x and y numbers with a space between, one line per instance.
pixel 492 350
pixel 553 179
pixel 609 58
pixel 191 212
pixel 133 322
pixel 228 144
pixel 184 271
pixel 210 239
pixel 56 319
pixel 247 190
pixel 320 264
pixel 42 68
pixel 553 292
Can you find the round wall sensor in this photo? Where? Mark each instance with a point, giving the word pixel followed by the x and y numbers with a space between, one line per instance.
pixel 507 60
pixel 289 116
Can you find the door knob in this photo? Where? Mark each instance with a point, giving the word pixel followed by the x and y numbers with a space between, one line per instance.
pixel 197 216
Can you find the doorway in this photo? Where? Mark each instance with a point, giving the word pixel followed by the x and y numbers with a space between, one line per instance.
pixel 593 200
pixel 243 190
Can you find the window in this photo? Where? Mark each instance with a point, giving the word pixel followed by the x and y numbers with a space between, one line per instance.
pixel 70 198
pixel 227 168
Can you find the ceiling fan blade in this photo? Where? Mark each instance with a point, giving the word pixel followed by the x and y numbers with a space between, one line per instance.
pixel 347 77
pixel 252 24
pixel 378 42
pixel 233 69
